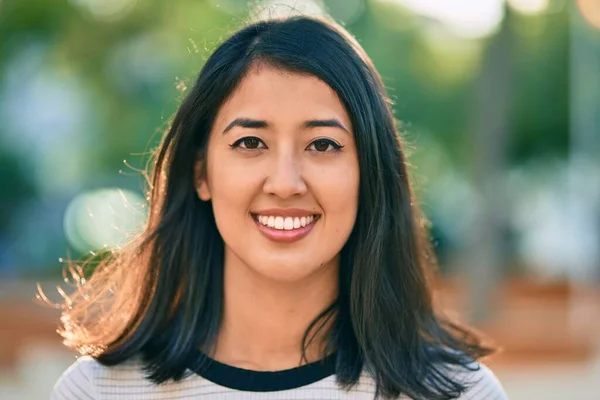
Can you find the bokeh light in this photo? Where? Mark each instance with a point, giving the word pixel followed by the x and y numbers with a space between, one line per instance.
pixel 45 109
pixel 286 8
pixel 465 18
pixel 555 242
pixel 104 218
pixel 496 99
pixel 529 6
pixel 106 10
pixel 135 65
pixel 590 10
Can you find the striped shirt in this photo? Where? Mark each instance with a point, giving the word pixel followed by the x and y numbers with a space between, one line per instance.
pixel 87 379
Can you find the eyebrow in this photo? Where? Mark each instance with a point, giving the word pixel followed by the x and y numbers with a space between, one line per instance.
pixel 332 123
pixel 260 124
pixel 246 123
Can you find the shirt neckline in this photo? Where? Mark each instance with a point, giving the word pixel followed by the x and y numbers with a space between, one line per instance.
pixel 263 381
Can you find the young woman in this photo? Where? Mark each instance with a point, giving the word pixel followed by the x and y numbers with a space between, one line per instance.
pixel 284 255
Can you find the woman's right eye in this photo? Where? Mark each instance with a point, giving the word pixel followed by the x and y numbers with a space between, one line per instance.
pixel 249 143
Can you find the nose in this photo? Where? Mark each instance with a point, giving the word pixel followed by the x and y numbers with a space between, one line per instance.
pixel 284 178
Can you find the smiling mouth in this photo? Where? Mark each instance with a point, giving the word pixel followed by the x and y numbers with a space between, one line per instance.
pixel 280 223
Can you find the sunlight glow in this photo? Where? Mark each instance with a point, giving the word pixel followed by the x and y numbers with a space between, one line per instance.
pixel 529 7
pixel 466 18
pixel 286 8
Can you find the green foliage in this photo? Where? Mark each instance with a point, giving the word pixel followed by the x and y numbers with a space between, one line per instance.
pixel 134 69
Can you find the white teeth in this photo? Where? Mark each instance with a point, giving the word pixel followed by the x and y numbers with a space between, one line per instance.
pixel 278 222
pixel 287 223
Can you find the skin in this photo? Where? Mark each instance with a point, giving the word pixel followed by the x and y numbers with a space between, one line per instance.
pixel 274 290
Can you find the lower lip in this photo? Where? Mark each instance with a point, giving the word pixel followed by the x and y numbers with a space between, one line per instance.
pixel 284 236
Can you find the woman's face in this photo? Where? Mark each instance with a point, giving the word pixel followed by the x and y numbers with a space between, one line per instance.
pixel 282 175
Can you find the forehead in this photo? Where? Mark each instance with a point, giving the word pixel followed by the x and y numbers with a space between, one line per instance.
pixel 270 92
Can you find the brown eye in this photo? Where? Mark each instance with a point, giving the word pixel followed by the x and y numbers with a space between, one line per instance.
pixel 324 146
pixel 321 145
pixel 251 143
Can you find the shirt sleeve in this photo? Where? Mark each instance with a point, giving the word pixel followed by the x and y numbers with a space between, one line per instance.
pixel 77 382
pixel 484 386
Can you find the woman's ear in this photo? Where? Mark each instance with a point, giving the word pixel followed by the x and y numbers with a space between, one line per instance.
pixel 200 181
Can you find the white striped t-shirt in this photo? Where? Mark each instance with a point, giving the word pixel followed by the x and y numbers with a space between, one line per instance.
pixel 87 379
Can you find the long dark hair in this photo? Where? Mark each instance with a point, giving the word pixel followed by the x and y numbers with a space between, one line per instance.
pixel 161 297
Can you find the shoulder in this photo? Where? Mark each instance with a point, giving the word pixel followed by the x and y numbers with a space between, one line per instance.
pixel 82 379
pixel 77 382
pixel 482 384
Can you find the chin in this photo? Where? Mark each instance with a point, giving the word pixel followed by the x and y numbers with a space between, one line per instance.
pixel 286 271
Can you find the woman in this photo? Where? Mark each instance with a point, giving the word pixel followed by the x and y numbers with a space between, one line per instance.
pixel 283 256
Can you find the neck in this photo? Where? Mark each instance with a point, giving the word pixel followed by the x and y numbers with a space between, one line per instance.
pixel 264 321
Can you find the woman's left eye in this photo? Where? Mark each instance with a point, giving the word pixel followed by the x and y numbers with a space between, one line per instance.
pixel 324 145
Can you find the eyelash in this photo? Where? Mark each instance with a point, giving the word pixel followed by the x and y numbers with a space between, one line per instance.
pixel 237 144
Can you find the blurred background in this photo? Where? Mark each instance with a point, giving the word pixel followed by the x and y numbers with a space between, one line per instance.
pixel 499 103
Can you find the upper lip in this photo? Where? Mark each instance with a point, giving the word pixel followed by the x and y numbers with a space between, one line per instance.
pixel 285 212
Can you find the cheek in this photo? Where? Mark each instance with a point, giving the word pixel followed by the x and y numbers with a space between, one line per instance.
pixel 337 192
pixel 227 184
pixel 232 189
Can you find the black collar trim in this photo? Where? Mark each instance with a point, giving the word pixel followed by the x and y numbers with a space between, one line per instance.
pixel 263 381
